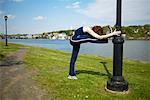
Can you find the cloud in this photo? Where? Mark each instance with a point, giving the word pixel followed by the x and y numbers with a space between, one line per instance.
pixel 74 5
pixel 100 9
pixel 132 10
pixel 136 10
pixel 6 1
pixel 1 14
pixel 17 0
pixel 11 16
pixel 38 18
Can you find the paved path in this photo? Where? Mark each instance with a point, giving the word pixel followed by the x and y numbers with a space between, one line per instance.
pixel 15 82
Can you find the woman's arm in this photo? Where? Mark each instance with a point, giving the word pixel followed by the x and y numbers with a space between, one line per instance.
pixel 91 32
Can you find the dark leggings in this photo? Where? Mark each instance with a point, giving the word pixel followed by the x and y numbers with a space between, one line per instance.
pixel 74 56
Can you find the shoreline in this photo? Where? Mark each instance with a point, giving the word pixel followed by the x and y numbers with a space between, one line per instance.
pixel 135 60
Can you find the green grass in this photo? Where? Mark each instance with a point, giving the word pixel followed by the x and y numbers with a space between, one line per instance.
pixel 7 50
pixel 50 70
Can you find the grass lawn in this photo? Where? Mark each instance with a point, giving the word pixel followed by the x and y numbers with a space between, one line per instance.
pixel 49 69
pixel 7 50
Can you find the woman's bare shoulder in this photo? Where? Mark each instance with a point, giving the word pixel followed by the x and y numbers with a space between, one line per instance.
pixel 86 28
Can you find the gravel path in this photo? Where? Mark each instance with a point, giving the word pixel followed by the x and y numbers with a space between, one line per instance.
pixel 16 82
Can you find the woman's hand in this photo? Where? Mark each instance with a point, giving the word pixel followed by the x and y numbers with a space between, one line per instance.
pixel 117 33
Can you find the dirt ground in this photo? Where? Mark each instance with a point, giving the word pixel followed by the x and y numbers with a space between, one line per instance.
pixel 16 82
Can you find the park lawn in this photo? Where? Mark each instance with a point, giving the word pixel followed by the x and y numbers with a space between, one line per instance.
pixel 7 50
pixel 49 70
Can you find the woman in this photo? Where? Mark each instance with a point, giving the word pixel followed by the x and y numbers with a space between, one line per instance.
pixel 81 34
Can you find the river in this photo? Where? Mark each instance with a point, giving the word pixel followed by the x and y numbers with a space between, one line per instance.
pixel 133 49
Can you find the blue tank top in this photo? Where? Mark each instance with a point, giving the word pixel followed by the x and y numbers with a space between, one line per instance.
pixel 79 34
pixel 79 31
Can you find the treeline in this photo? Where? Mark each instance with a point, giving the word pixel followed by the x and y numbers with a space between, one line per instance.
pixel 140 32
pixel 67 32
pixel 136 32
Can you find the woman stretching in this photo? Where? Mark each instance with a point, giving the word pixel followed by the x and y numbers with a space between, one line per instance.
pixel 82 34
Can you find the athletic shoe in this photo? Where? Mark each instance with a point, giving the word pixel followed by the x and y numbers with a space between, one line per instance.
pixel 72 77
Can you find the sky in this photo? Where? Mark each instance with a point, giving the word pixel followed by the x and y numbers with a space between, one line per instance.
pixel 38 16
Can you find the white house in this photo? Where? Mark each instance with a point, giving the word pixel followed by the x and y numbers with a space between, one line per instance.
pixel 55 36
pixel 49 36
pixel 62 36
pixel 29 36
pixel 136 31
pixel 23 37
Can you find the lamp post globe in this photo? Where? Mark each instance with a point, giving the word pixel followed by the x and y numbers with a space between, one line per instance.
pixel 5 17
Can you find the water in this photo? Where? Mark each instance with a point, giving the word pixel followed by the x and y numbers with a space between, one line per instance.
pixel 135 49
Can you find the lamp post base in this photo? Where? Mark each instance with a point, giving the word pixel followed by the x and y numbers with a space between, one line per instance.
pixel 117 84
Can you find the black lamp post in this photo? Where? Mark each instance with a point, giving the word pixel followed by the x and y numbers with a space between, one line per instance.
pixel 5 17
pixel 117 83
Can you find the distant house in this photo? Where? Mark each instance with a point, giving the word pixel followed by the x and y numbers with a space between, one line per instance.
pixel 136 31
pixel 17 36
pixel 62 36
pixel 148 32
pixel 29 36
pixel 49 36
pixel 124 35
pixel 36 36
pixel 23 36
pixel 55 35
pixel 45 35
pixel 2 36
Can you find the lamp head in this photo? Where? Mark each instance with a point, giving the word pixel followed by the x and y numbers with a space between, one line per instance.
pixel 5 17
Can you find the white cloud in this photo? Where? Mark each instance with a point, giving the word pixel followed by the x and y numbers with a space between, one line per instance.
pixel 100 9
pixel 38 18
pixel 1 14
pixel 132 10
pixel 74 5
pixel 6 1
pixel 136 10
pixel 17 0
pixel 11 16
